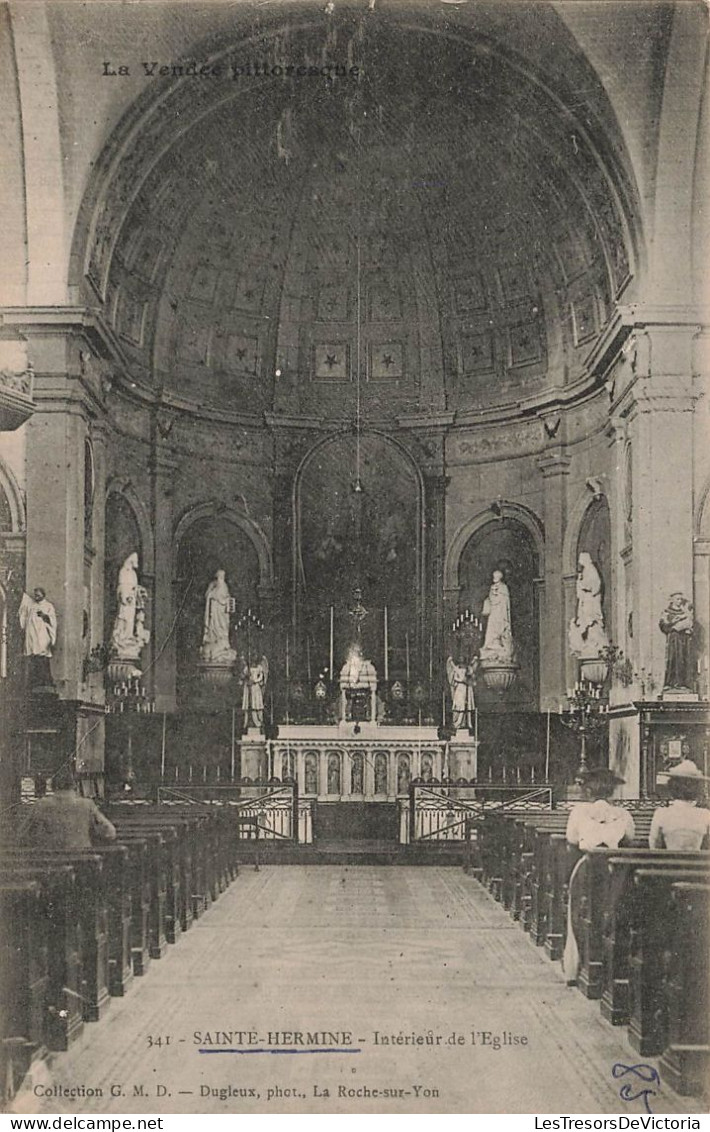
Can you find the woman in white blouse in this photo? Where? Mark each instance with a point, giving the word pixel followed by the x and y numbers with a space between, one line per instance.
pixel 682 825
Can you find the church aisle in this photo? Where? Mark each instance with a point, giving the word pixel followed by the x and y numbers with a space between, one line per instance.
pixel 373 951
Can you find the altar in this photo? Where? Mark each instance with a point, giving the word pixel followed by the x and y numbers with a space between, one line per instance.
pixel 356 762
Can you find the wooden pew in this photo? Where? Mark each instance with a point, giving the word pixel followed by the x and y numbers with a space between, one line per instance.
pixel 653 924
pixel 59 909
pixel 686 1060
pixel 24 980
pixel 92 911
pixel 618 899
pixel 140 859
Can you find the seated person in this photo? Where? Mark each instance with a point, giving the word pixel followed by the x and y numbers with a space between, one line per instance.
pixel 592 824
pixel 681 825
pixel 596 822
pixel 63 820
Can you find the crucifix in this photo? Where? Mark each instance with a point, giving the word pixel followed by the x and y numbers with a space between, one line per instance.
pixel 358 613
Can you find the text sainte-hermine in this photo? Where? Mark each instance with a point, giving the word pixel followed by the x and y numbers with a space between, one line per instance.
pixel 344 1038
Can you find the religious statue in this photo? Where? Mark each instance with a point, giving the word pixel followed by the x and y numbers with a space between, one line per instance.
pixel 677 622
pixel 215 648
pixel 38 619
pixel 498 641
pixel 587 636
pixel 460 678
pixel 255 678
pixel 357 675
pixel 357 672
pixel 129 634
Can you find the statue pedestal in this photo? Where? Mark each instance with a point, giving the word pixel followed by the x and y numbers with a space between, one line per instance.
pixel 679 696
pixel 463 757
pixel 215 675
pixel 253 752
pixel 122 669
pixel 348 700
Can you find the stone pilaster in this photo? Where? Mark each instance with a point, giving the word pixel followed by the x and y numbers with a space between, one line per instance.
pixel 163 466
pixel 435 521
pixel 55 519
pixel 658 407
pixel 553 606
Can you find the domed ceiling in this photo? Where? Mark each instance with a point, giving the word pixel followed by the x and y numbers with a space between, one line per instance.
pixel 440 225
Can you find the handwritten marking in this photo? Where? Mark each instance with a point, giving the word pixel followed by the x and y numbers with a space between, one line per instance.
pixel 645 1073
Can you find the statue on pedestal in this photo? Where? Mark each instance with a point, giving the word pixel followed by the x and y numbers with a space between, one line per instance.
pixel 587 635
pixel 498 641
pixel 460 678
pixel 358 674
pixel 38 619
pixel 677 622
pixel 129 634
pixel 216 648
pixel 255 678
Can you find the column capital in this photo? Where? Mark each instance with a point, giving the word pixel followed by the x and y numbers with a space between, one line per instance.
pixel 162 461
pixel 554 464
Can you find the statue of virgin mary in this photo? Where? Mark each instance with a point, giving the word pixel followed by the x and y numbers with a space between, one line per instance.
pixel 216 648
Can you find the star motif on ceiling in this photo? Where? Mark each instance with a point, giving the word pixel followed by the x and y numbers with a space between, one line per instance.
pixel 387 360
pixel 241 353
pixel 331 360
pixel 249 294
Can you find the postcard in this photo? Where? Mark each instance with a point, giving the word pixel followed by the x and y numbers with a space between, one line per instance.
pixel 353 507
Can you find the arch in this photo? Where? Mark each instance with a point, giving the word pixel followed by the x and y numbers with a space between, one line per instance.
pixel 573 527
pixel 145 125
pixel 242 522
pixel 122 486
pixel 44 171
pixel 701 526
pixel 13 494
pixel 523 515
pixel 412 468
pixel 684 84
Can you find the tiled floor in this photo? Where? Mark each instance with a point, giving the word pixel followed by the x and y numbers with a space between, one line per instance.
pixel 481 1020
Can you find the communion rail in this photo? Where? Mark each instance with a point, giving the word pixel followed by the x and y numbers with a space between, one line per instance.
pixel 268 812
pixel 448 812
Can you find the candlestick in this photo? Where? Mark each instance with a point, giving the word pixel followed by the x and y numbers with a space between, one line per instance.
pixel 443 707
pixel 332 633
pixel 547 749
pixel 308 657
pixel 431 658
pixel 475 724
pixel 406 650
pixel 387 658
pixel 234 714
pixel 287 663
pixel 162 752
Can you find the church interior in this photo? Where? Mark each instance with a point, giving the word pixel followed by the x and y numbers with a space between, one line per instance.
pixel 355 526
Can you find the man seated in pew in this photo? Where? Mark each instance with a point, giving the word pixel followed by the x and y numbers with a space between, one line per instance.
pixel 682 825
pixel 63 820
pixel 596 821
pixel 593 824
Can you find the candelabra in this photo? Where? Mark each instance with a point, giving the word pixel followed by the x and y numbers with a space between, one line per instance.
pixel 467 631
pixel 250 621
pixel 129 696
pixel 586 713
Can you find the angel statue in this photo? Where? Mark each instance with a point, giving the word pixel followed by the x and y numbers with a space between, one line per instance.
pixel 255 677
pixel 460 678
